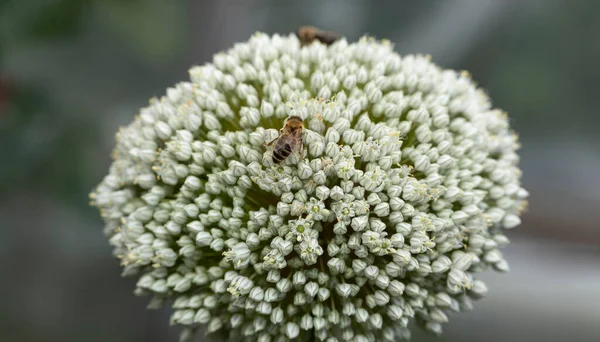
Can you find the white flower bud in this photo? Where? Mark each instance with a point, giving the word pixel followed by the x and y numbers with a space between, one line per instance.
pixel 306 323
pixel 371 272
pixel 202 316
pixel 438 316
pixel 264 308
pixel 336 193
pixel 214 325
pixel 343 290
pixel 394 312
pixel 362 315
pixel 311 289
pixel 441 264
pixel 479 288
pixel 376 320
pixel 271 295
pixel 381 298
pixel 257 294
pixel 277 315
pixel 382 209
pixel 163 130
pixel 323 294
pixel 319 323
pixel 359 223
pixel 511 221
pixel 463 262
pixel 284 285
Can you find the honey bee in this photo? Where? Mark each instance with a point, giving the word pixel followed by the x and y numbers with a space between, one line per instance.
pixel 289 139
pixel 308 34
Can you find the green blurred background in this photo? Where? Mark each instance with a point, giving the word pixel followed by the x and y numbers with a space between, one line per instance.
pixel 73 71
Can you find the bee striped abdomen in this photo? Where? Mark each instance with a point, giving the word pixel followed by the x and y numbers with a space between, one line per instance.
pixel 279 154
pixel 289 139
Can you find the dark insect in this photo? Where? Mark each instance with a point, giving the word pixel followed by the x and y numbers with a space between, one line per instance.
pixel 308 34
pixel 289 139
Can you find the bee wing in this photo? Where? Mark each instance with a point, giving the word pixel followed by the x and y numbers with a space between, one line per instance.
pixel 298 147
pixel 327 38
pixel 271 142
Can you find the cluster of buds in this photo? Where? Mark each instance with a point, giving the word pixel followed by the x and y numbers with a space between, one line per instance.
pixel 405 182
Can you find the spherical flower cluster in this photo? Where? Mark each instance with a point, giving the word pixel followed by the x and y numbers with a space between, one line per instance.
pixel 404 184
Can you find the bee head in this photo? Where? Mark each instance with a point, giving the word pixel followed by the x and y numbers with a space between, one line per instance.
pixel 306 34
pixel 294 122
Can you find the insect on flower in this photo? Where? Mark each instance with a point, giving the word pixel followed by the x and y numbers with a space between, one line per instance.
pixel 308 34
pixel 289 139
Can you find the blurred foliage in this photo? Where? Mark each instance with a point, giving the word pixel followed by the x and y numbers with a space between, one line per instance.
pixel 142 26
pixel 43 153
pixel 44 145
pixel 57 19
pixel 542 68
